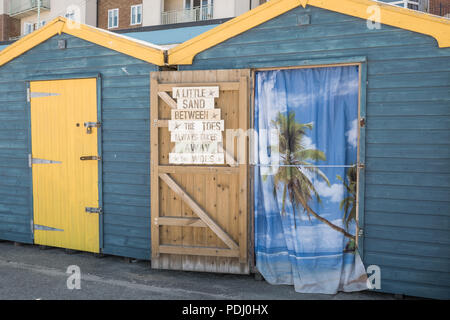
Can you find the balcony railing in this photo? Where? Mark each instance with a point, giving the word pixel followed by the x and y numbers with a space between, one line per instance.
pixel 421 5
pixel 23 8
pixel 187 15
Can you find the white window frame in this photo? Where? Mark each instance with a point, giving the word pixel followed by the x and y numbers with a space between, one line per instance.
pixel 28 28
pixel 137 6
pixel 210 4
pixel 112 11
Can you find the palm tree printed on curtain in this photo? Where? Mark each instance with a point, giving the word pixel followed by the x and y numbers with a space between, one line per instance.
pixel 349 203
pixel 291 176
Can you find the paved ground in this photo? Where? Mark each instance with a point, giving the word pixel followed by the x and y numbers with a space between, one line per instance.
pixel 28 273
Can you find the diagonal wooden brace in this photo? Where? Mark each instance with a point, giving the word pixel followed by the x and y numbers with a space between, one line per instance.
pixel 202 214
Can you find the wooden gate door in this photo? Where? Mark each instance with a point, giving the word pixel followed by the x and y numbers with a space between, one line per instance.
pixel 199 211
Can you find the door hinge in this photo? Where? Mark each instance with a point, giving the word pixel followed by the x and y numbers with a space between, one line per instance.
pixel 31 95
pixel 361 165
pixel 45 228
pixel 90 125
pixel 32 161
pixel 94 210
pixel 85 158
pixel 360 232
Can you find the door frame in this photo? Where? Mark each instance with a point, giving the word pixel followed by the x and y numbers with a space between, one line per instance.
pixel 69 76
pixel 361 62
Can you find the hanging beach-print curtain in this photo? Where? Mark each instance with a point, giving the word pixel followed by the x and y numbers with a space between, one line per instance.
pixel 305 182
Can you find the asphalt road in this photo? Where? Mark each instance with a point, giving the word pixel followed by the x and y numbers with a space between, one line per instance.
pixel 29 273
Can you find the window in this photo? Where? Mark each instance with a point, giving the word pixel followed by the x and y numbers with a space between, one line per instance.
pixel 70 15
pixel 28 28
pixel 113 18
pixel 136 14
pixel 191 4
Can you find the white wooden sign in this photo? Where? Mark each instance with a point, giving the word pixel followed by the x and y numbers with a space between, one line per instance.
pixel 194 158
pixel 190 126
pixel 194 147
pixel 195 92
pixel 195 104
pixel 196 137
pixel 213 114
pixel 196 127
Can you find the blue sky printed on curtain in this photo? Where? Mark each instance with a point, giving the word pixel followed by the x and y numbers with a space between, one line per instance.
pixel 316 112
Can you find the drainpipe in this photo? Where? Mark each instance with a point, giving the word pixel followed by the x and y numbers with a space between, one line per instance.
pixel 39 14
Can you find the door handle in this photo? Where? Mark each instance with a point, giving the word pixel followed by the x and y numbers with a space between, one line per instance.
pixel 85 158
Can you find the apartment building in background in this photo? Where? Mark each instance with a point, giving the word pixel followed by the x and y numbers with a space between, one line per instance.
pixel 436 7
pixel 20 17
pixel 439 8
pixel 128 14
pixel 9 27
pixel 30 15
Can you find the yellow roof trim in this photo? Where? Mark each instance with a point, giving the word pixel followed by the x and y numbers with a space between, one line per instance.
pixel 103 38
pixel 395 16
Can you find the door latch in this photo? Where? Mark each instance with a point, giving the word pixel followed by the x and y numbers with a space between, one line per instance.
pixel 362 122
pixel 94 210
pixel 90 125
pixel 85 158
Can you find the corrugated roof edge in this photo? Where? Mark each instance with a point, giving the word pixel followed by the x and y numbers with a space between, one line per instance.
pixel 174 26
pixel 155 28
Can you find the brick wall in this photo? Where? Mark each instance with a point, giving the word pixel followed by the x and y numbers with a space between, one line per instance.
pixel 9 27
pixel 124 7
pixel 14 27
pixel 3 28
pixel 439 7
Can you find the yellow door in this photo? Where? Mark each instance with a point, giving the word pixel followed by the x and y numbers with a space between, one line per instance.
pixel 63 184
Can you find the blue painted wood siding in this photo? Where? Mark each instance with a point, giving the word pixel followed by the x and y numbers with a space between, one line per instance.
pixel 407 139
pixel 126 141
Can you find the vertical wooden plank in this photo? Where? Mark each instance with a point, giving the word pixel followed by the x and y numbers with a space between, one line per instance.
pixel 211 193
pixel 211 240
pixel 154 159
pixel 226 103
pixel 233 123
pixel 183 235
pixel 243 124
pixel 360 192
pixel 172 204
pixel 199 235
pixel 251 177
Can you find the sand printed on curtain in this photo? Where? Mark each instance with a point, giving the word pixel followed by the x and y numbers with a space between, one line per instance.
pixel 305 208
